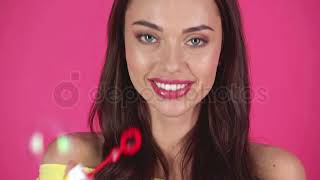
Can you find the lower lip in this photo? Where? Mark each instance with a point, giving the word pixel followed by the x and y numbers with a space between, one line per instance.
pixel 170 94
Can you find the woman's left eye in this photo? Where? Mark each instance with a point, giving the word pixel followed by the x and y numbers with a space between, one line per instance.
pixel 196 41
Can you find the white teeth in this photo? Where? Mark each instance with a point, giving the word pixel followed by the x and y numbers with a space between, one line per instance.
pixel 174 87
pixel 170 87
pixel 167 87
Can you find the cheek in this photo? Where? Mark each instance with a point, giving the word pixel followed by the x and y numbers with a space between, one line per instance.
pixel 205 70
pixel 138 64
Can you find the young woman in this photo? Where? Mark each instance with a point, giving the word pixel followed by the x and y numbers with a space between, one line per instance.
pixel 177 70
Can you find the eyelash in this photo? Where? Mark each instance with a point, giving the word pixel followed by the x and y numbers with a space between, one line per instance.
pixel 138 36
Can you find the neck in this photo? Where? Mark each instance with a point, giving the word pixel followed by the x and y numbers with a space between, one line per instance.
pixel 169 133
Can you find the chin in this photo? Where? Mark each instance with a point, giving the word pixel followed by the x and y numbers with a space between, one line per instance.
pixel 172 109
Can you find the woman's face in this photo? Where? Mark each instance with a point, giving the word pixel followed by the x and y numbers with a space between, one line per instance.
pixel 172 40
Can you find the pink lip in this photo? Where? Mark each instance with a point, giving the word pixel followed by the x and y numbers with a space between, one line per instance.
pixel 170 94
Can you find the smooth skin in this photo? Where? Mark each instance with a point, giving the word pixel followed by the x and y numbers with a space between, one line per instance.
pixel 175 39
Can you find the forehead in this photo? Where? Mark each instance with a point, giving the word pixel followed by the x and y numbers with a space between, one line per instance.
pixel 173 13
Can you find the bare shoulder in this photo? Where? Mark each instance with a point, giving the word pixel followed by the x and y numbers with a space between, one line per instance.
pixel 81 147
pixel 274 163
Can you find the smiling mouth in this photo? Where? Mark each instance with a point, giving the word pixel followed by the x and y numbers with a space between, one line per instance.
pixel 170 89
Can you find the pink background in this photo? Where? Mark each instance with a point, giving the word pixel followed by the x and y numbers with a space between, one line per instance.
pixel 43 42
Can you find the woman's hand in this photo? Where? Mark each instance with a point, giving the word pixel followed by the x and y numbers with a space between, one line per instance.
pixel 71 164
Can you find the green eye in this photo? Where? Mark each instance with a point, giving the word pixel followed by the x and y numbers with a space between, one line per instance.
pixel 146 38
pixel 196 41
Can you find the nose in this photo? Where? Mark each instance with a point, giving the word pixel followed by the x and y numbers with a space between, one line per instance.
pixel 173 58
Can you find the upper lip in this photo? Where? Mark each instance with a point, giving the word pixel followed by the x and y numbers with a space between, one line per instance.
pixel 170 81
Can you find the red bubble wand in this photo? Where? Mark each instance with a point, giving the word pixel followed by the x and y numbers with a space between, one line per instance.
pixel 126 148
pixel 130 144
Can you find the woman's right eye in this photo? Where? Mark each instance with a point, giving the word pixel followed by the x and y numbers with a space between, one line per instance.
pixel 146 38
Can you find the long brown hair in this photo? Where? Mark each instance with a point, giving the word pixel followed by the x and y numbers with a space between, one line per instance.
pixel 217 147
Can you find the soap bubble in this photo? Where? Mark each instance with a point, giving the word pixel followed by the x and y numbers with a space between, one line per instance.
pixel 36 143
pixel 63 144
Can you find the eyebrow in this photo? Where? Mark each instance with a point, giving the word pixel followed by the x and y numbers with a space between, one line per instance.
pixel 158 28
